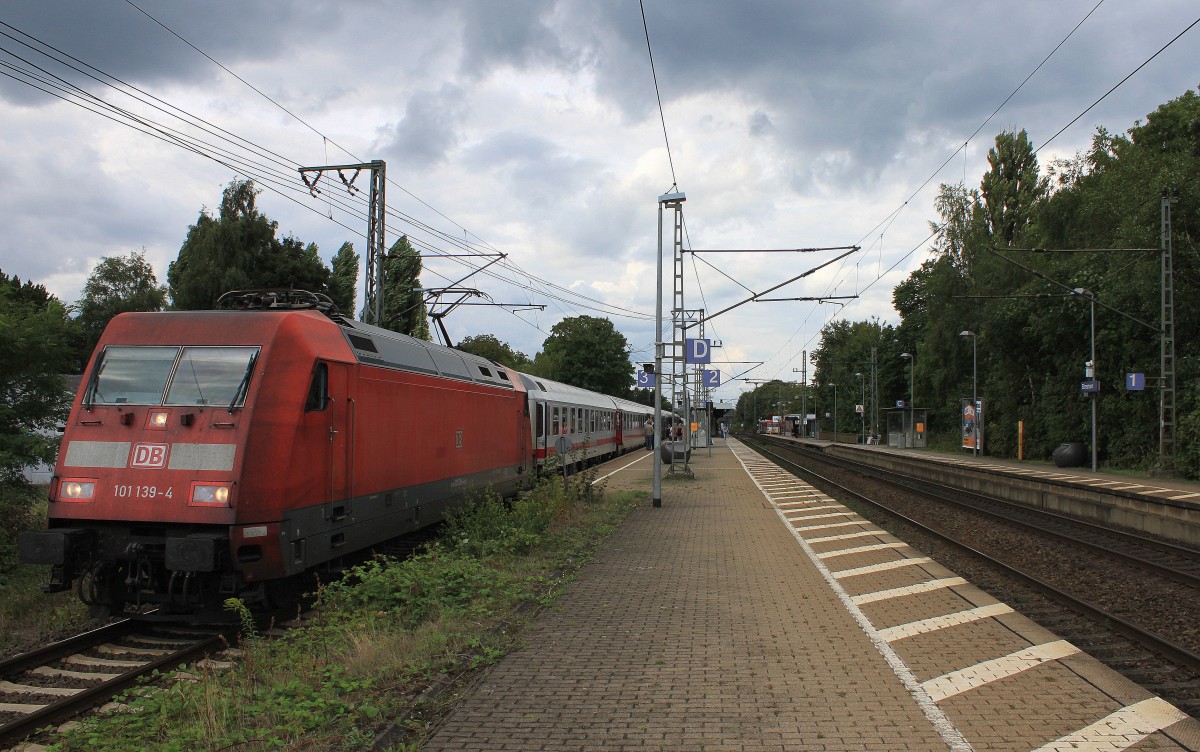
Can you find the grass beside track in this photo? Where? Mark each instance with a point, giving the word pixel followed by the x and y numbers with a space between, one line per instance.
pixel 376 666
pixel 29 617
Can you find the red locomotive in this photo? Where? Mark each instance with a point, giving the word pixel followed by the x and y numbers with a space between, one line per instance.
pixel 217 454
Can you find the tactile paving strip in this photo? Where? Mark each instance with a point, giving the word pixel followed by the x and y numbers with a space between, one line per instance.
pixel 817 521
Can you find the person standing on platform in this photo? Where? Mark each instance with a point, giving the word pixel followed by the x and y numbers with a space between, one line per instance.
pixel 649 432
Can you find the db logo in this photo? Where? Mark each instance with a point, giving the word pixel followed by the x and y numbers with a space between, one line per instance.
pixel 149 455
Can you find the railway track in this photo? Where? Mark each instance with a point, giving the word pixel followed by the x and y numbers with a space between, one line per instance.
pixel 52 684
pixel 1131 601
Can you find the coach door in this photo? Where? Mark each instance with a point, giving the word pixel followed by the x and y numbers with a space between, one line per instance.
pixel 341 432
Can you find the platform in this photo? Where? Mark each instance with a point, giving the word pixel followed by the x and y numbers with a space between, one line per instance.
pixel 750 612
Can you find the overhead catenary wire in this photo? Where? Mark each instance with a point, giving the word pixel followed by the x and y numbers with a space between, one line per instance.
pixel 268 168
pixel 463 244
pixel 657 95
pixel 937 229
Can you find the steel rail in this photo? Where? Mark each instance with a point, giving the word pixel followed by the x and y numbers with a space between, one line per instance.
pixel 58 711
pixel 1166 648
pixel 961 498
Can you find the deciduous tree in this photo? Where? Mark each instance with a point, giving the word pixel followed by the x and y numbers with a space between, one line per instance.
pixel 118 284
pixel 403 300
pixel 343 283
pixel 487 346
pixel 35 348
pixel 587 352
pixel 238 250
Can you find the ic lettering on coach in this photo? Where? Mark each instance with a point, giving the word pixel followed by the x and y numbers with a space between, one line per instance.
pixel 152 456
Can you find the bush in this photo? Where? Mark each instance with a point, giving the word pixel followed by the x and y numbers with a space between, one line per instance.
pixel 18 512
pixel 436 585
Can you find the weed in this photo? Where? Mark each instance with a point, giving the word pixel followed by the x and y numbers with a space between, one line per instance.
pixel 385 632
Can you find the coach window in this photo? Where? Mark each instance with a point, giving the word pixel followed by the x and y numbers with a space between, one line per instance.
pixel 318 391
pixel 556 424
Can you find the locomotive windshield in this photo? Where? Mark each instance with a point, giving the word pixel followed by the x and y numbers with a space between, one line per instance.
pixel 173 376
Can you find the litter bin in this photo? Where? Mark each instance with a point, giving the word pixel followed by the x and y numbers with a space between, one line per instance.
pixel 676 448
pixel 1071 454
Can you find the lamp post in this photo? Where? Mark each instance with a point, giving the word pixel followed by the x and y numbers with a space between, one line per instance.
pixel 803 397
pixel 862 382
pixel 834 412
pixel 912 390
pixel 673 201
pixel 974 390
pixel 1090 366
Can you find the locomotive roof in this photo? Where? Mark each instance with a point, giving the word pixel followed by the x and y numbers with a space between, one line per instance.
pixel 382 347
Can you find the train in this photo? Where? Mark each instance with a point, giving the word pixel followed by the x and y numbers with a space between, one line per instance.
pixel 219 454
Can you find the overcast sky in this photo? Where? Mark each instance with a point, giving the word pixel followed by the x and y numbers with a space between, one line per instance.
pixel 532 128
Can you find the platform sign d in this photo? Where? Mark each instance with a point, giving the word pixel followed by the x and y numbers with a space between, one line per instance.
pixel 698 351
pixel 712 378
pixel 645 380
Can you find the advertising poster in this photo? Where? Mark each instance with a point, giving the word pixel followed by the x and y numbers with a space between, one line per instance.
pixel 972 425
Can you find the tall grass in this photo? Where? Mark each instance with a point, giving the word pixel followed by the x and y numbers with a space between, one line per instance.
pixel 27 615
pixel 379 638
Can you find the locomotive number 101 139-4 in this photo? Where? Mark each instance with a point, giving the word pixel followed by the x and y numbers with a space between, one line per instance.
pixel 124 491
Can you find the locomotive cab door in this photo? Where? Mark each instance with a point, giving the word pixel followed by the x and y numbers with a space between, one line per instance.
pixel 340 409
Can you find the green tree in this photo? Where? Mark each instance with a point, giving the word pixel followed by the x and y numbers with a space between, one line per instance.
pixel 772 398
pixel 238 250
pixel 35 337
pixel 116 285
pixel 846 350
pixel 587 352
pixel 1033 336
pixel 343 282
pixel 1012 187
pixel 487 346
pixel 403 300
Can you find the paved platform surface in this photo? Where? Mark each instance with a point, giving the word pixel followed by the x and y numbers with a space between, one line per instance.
pixel 750 612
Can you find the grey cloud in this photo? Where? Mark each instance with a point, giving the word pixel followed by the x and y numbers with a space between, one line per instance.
pixel 760 123
pixel 429 128
pixel 538 170
pixel 117 39
pixel 508 33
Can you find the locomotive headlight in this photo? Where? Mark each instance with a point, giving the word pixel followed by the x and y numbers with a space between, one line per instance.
pixel 75 489
pixel 210 494
pixel 156 420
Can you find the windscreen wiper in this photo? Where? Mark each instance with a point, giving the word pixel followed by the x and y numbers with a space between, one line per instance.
pixel 89 394
pixel 244 386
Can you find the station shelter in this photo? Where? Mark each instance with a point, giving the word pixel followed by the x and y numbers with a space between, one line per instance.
pixel 906 427
pixel 807 425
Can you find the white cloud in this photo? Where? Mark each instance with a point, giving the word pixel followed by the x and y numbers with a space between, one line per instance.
pixel 534 126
